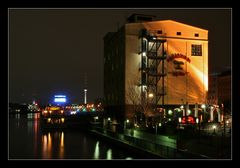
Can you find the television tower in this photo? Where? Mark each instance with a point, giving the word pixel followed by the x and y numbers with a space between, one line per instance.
pixel 85 89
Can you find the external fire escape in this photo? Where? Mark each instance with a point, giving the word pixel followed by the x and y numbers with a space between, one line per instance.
pixel 152 68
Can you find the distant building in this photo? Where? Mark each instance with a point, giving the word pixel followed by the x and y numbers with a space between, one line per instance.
pixel 220 89
pixel 162 62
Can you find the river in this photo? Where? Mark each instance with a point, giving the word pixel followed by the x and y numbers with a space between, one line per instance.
pixel 28 141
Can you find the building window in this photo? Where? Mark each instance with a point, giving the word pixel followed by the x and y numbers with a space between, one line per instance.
pixel 144 79
pixel 144 46
pixel 144 62
pixel 196 35
pixel 196 50
pixel 179 33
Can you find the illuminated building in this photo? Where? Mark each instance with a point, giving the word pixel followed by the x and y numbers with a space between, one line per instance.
pixel 164 62
pixel 60 99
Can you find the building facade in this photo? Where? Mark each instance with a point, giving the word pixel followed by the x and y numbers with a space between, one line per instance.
pixel 220 90
pixel 163 63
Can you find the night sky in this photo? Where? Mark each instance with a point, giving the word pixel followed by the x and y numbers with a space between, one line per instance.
pixel 51 50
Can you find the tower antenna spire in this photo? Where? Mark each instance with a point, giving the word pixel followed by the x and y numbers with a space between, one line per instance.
pixel 85 88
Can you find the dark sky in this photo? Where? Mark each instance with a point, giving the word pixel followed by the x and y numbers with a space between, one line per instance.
pixel 50 50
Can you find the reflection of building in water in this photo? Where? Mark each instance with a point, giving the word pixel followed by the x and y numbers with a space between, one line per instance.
pixel 47 141
pixel 36 133
pixel 47 146
pixel 61 148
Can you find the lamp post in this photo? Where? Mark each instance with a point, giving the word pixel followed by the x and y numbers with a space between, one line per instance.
pixel 198 125
pixel 179 122
pixel 125 124
pixel 179 133
pixel 204 110
pixel 214 128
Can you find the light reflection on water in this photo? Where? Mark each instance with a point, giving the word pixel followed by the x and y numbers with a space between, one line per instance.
pixel 34 143
pixel 96 151
pixel 109 154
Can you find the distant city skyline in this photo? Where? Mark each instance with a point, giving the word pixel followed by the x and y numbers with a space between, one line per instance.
pixel 52 50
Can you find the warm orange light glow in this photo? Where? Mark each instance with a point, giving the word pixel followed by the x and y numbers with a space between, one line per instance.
pixel 203 78
pixel 61 152
pixel 150 95
pixel 47 146
pixel 49 120
pixel 54 108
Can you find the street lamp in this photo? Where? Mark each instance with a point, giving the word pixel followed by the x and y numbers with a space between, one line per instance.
pixel 197 120
pixel 179 121
pixel 125 124
pixel 150 95
pixel 198 124
pixel 214 127
pixel 179 130
pixel 204 110
pixel 183 111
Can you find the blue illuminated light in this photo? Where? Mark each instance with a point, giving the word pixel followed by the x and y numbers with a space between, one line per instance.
pixel 60 100
pixel 59 96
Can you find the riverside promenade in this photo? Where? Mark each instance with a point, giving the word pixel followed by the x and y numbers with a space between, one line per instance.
pixel 161 146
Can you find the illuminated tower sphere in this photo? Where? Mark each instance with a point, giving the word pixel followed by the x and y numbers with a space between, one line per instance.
pixel 85 96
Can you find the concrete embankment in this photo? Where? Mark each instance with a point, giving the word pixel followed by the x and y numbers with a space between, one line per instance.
pixel 139 152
